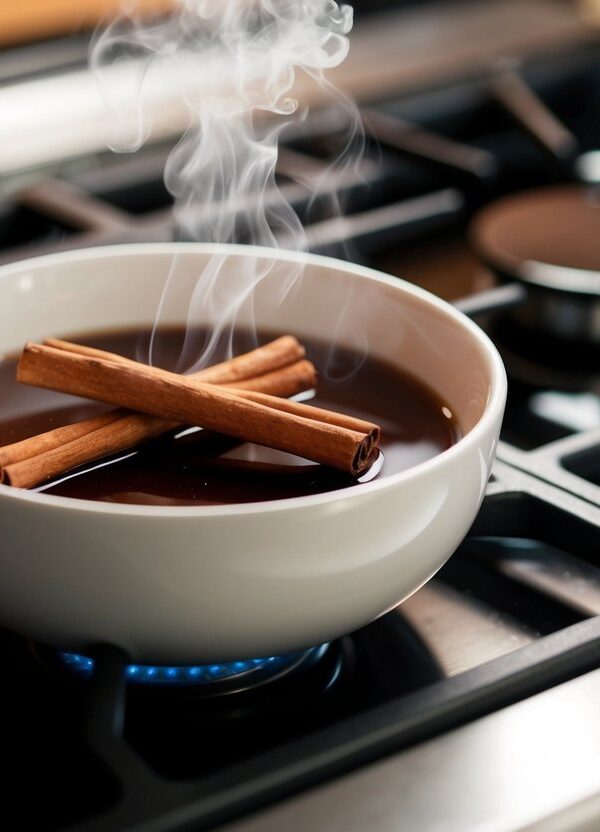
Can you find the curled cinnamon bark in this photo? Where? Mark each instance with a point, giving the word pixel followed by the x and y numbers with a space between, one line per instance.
pixel 180 399
pixel 272 356
pixel 38 459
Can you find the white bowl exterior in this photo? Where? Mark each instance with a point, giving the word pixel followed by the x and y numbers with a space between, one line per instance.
pixel 218 584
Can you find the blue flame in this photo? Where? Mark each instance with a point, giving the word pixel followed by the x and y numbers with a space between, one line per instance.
pixel 186 675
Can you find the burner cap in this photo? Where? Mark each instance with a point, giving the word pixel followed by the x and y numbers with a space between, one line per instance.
pixel 548 236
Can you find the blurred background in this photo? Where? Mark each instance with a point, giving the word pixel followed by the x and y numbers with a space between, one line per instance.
pixel 431 65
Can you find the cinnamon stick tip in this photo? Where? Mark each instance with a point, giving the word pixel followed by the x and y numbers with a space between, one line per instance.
pixel 290 339
pixel 29 347
pixel 292 344
pixel 307 367
pixel 364 456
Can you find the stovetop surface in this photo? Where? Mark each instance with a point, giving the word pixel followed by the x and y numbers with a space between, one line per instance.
pixel 516 609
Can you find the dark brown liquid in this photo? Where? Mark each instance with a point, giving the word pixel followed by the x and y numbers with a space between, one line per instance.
pixel 204 469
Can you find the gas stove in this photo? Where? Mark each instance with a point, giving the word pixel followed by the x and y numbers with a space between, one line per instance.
pixel 468 707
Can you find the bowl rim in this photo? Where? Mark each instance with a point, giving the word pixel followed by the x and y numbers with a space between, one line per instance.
pixel 493 409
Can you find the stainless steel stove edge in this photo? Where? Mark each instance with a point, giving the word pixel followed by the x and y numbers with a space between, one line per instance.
pixel 531 767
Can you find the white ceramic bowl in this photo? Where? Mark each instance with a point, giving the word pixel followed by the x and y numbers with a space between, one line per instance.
pixel 187 584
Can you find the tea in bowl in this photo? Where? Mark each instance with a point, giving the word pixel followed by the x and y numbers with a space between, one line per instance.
pixel 180 555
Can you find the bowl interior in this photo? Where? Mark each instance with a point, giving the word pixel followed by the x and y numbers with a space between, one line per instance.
pixel 123 287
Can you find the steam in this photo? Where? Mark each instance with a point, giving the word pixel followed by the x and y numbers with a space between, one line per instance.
pixel 236 63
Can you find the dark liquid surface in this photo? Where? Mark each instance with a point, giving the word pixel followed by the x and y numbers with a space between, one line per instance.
pixel 201 468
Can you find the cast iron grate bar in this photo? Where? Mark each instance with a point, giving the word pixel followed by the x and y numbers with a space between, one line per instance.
pixel 402 220
pixel 530 112
pixel 139 785
pixel 72 206
pixel 443 152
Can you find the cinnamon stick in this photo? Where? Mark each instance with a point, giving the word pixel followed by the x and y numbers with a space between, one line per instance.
pixel 40 458
pixel 177 398
pixel 44 442
pixel 277 368
pixel 272 356
pixel 113 437
pixel 319 414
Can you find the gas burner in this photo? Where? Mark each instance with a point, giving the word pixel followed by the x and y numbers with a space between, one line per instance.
pixel 546 240
pixel 214 679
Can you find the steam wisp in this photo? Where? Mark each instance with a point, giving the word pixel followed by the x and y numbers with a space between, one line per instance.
pixel 238 62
